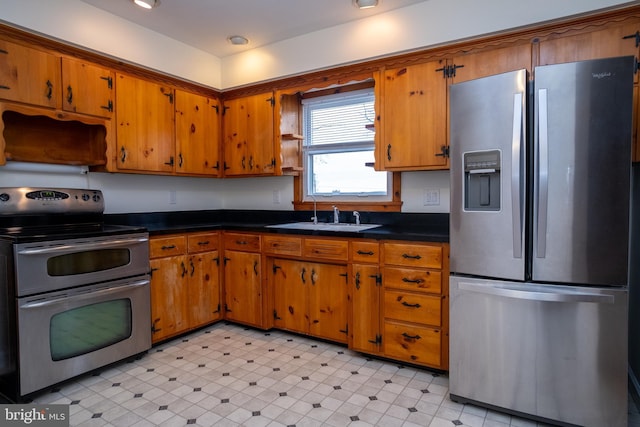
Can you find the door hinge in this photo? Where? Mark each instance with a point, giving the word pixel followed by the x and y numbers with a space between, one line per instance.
pixel 345 330
pixel 271 101
pixel 170 162
pixel 449 71
pixel 377 341
pixel 346 277
pixel 275 268
pixel 275 315
pixel 109 81
pixel 152 270
pixel 226 308
pixel 635 36
pixel 218 309
pixel 444 151
pixel 217 108
pixel 378 278
pixel 224 260
pixel 224 110
pixel 153 326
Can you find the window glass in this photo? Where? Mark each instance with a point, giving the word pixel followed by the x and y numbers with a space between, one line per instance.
pixel 88 328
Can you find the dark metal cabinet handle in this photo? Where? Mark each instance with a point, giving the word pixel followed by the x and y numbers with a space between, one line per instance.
pixel 184 269
pixel 406 304
pixel 407 256
pixel 255 268
pixel 123 154
pixel 49 89
pixel 193 267
pixel 206 242
pixel 168 247
pixel 365 252
pixel 411 337
pixel 304 271
pixel 389 152
pixel 416 281
pixel 357 280
pixel 69 94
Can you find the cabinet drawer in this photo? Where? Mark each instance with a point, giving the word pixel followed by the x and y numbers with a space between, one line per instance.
pixel 413 255
pixel 365 252
pixel 326 249
pixel 167 246
pixel 412 343
pixel 203 242
pixel 412 279
pixel 242 242
pixel 280 245
pixel 412 307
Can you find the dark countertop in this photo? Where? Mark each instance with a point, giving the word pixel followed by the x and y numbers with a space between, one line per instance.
pixel 395 226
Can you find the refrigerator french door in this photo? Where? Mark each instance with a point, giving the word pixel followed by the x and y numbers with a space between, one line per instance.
pixel 539 234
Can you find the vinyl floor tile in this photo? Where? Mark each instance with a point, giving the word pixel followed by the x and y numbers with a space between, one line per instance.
pixel 230 375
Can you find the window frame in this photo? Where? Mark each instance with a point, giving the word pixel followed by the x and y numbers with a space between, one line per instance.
pixel 301 202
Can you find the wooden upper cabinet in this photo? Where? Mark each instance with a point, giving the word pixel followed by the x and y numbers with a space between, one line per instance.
pixel 412 113
pixel 145 125
pixel 197 134
pixel 605 43
pixel 496 61
pixel 87 88
pixel 248 135
pixel 29 75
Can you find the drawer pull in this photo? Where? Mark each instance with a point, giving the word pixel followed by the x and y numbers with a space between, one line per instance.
pixel 240 242
pixel 407 256
pixel 416 281
pixel 206 242
pixel 406 304
pixel 411 337
pixel 166 248
pixel 365 252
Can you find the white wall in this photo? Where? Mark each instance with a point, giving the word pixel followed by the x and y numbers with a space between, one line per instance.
pixel 81 24
pixel 424 24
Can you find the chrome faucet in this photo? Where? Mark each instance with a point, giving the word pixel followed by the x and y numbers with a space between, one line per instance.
pixel 314 218
pixel 336 215
pixel 357 215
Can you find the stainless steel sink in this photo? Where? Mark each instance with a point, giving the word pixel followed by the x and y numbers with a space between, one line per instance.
pixel 326 226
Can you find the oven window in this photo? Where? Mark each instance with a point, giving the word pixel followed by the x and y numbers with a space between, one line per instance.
pixel 88 261
pixel 88 328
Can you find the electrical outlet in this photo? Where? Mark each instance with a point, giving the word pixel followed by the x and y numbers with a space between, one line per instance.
pixel 276 197
pixel 172 197
pixel 431 197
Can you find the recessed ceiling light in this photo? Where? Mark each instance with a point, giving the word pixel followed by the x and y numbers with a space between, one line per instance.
pixel 146 4
pixel 365 4
pixel 238 40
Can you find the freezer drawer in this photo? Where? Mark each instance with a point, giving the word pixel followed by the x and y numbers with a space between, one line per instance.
pixel 549 351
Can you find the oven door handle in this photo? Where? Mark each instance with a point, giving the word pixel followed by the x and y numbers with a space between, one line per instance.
pixel 85 295
pixel 77 247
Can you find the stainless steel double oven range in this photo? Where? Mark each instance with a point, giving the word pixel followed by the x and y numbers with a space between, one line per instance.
pixel 74 291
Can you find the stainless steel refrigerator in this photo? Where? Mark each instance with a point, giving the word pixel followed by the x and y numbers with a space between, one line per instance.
pixel 540 217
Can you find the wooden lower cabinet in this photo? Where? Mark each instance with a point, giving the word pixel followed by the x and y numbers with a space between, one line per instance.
pixel 310 298
pixel 415 303
pixel 243 287
pixel 185 283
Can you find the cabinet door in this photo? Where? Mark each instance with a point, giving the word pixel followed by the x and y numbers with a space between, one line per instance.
pixel 87 89
pixel 495 61
pixel 610 42
pixel 248 135
pixel 204 288
pixel 145 125
pixel 328 301
pixel 197 134
pixel 29 75
pixel 169 297
pixel 290 281
pixel 243 290
pixel 413 118
pixel 365 305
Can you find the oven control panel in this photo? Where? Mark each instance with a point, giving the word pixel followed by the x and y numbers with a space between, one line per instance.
pixel 25 200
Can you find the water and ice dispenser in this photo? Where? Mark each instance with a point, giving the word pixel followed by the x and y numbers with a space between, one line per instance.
pixel 482 180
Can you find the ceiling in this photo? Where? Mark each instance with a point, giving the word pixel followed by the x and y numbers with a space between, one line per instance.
pixel 206 24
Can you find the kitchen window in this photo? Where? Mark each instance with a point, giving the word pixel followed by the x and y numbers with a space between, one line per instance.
pixel 338 150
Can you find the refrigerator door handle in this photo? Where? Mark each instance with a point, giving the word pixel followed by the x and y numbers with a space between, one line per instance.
pixel 536 293
pixel 543 174
pixel 516 149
